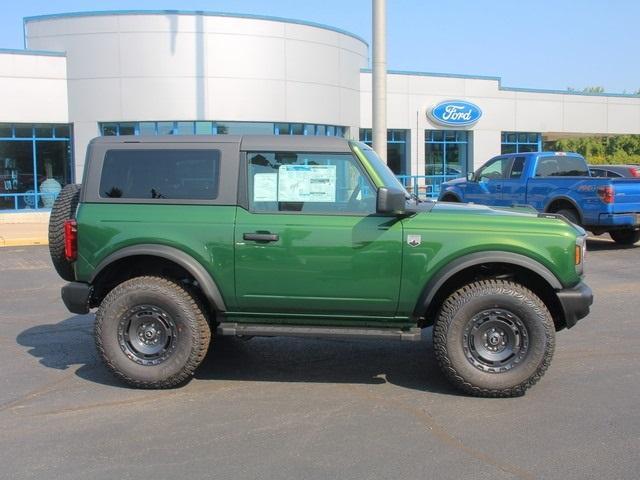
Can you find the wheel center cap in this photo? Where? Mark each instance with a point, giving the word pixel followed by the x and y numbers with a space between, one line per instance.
pixel 494 339
pixel 150 333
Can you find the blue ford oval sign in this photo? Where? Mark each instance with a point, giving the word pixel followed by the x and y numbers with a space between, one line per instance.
pixel 455 113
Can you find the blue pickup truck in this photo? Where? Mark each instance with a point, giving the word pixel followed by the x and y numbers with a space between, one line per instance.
pixel 554 182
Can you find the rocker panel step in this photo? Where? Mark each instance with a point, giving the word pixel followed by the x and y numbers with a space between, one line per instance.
pixel 259 330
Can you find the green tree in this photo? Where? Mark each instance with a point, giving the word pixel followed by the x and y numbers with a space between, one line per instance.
pixel 619 149
pixel 595 89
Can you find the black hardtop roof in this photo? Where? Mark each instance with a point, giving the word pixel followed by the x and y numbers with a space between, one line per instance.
pixel 266 143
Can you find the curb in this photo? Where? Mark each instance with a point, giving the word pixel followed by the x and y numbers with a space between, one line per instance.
pixel 23 242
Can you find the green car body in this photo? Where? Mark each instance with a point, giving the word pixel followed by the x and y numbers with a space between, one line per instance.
pixel 329 275
pixel 390 268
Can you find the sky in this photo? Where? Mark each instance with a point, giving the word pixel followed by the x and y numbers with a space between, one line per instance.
pixel 528 43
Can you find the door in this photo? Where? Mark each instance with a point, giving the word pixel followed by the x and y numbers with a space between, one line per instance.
pixel 310 241
pixel 486 187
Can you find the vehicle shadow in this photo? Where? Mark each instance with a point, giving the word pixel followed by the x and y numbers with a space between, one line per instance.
pixel 291 360
pixel 287 360
pixel 63 345
pixel 604 243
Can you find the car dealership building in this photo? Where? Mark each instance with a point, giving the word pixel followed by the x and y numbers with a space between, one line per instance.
pixel 83 75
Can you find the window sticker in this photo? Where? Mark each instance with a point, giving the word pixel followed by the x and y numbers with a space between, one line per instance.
pixel 307 183
pixel 265 187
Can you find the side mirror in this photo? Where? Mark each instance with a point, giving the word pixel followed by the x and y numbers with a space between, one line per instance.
pixel 470 176
pixel 390 200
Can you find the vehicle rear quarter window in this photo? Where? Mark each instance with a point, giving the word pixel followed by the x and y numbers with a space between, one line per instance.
pixel 162 175
pixel 561 166
pixel 517 168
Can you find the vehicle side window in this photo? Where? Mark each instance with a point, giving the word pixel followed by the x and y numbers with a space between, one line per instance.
pixel 572 167
pixel 312 183
pixel 547 167
pixel 561 166
pixel 596 172
pixel 517 168
pixel 494 170
pixel 160 174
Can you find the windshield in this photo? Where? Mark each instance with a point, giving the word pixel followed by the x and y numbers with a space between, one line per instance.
pixel 384 173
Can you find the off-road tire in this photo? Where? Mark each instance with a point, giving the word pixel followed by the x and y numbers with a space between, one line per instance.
pixel 192 334
pixel 64 208
pixel 625 237
pixel 570 214
pixel 470 301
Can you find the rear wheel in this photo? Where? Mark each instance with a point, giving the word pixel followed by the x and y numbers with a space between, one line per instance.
pixel 570 214
pixel 63 209
pixel 494 338
pixel 151 332
pixel 625 237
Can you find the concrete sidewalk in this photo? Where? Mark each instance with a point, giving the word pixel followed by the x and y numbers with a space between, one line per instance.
pixel 24 228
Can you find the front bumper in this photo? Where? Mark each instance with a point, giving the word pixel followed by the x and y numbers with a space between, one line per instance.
pixel 575 302
pixel 75 296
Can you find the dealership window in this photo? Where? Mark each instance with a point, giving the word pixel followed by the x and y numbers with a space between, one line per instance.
pixel 520 142
pixel 446 152
pixel 35 163
pixel 219 128
pixel 396 148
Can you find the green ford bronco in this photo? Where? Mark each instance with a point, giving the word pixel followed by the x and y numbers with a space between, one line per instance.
pixel 176 239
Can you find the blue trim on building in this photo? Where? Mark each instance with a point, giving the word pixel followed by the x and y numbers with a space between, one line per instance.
pixel 434 74
pixel 567 92
pixel 500 87
pixel 44 53
pixel 193 12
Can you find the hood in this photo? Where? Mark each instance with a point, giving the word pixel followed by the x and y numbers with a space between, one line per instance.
pixel 455 181
pixel 483 216
pixel 472 208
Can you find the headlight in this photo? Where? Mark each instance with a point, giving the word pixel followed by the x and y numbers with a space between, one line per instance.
pixel 580 253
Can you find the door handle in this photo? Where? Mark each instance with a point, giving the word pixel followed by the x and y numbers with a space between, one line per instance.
pixel 498 188
pixel 261 237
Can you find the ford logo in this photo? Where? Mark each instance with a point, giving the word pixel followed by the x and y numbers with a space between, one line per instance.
pixel 455 113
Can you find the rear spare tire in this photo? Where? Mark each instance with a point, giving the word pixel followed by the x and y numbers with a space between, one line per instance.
pixel 63 209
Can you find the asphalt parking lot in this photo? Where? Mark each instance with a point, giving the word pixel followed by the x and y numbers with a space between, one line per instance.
pixel 292 409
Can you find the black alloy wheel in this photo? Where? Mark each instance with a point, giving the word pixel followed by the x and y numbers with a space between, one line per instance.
pixel 494 338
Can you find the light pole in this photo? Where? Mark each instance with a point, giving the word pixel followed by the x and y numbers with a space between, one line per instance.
pixel 379 74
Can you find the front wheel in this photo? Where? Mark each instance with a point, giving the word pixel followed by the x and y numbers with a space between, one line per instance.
pixel 625 237
pixel 494 338
pixel 151 332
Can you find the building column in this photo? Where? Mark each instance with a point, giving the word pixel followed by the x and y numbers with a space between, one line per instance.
pixel 485 145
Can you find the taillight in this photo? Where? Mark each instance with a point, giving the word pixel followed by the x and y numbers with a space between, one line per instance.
pixel 71 240
pixel 634 171
pixel 606 193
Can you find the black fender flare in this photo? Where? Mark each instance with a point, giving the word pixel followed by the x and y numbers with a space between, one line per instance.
pixel 473 259
pixel 566 199
pixel 186 261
